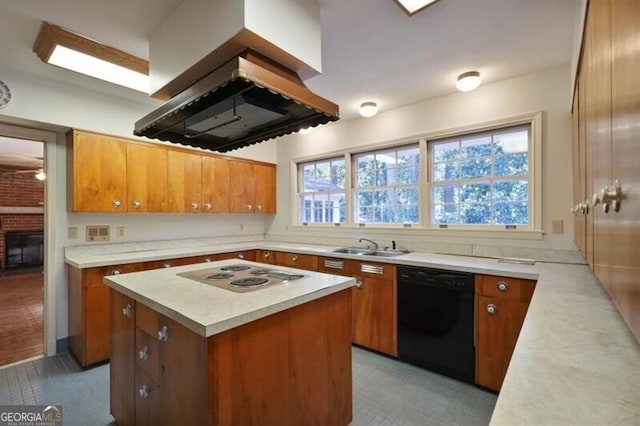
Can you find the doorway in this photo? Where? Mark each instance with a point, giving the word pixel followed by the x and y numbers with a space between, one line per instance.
pixel 25 298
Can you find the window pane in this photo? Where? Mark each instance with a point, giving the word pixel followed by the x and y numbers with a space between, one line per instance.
pixel 405 196
pixel 516 190
pixel 337 174
pixel 407 214
pixel 408 175
pixel 477 192
pixel 445 171
pixel 383 197
pixel 511 142
pixel 409 157
pixel 445 194
pixel 475 147
pixel 515 213
pixel 446 151
pixel 478 167
pixel 306 203
pixel 510 165
pixel 475 213
pixel 364 198
pixel 385 176
pixel 445 213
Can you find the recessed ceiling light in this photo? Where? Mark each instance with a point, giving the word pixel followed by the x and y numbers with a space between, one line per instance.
pixel 368 109
pixel 468 81
pixel 414 6
pixel 57 46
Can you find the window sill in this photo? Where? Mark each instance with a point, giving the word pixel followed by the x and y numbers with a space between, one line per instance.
pixel 512 234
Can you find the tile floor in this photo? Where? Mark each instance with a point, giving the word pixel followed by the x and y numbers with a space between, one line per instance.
pixel 385 392
pixel 21 315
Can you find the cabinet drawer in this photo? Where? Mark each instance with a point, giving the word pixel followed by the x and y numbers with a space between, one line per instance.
pixel 93 276
pixel 265 256
pixel 151 322
pixel 505 288
pixel 337 266
pixel 375 270
pixel 295 260
pixel 148 355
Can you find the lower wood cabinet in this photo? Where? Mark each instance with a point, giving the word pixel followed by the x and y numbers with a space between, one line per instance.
pixel 501 306
pixel 373 302
pixel 295 260
pixel 88 311
pixel 271 371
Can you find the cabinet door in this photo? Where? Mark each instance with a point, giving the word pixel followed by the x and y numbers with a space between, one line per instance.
pixel 625 287
pixel 122 364
pixel 98 172
pixel 184 182
pixel 149 404
pixel 265 256
pixel 216 185
pixel 146 178
pixel 373 310
pixel 295 260
pixel 498 326
pixel 265 188
pixel 579 189
pixel 244 187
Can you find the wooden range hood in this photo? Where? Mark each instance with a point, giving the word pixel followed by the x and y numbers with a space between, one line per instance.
pixel 246 100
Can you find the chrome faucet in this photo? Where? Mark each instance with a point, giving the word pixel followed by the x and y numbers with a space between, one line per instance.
pixel 375 245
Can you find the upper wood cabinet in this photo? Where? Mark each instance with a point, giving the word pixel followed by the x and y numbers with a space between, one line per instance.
pixel 216 184
pixel 254 188
pixel 184 184
pixel 146 178
pixel 97 172
pixel 111 174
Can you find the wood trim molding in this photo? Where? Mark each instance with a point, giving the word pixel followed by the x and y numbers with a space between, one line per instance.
pixel 51 35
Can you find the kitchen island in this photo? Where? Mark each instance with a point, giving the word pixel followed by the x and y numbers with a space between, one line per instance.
pixel 185 352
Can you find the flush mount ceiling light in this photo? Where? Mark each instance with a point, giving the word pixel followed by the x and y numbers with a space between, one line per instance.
pixel 57 46
pixel 368 109
pixel 468 81
pixel 412 7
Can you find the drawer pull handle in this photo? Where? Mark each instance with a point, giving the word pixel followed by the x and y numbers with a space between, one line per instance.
pixel 163 333
pixel 166 265
pixel 144 391
pixel 136 204
pixel 359 284
pixel 116 203
pixel 127 311
pixel 294 258
pixel 267 254
pixel 240 255
pixel 207 259
pixel 491 309
pixel 144 354
pixel 115 272
pixel 207 206
pixel 503 286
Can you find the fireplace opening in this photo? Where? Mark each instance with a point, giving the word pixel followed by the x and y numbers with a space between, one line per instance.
pixel 24 249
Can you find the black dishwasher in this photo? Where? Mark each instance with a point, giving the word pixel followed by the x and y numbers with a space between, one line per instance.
pixel 435 321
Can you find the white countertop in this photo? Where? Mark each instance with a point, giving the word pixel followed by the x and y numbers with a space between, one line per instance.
pixel 575 362
pixel 209 310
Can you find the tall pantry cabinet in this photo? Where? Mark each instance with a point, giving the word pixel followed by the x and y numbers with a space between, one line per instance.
pixel 606 151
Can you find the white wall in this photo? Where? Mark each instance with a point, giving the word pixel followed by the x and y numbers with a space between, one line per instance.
pixel 547 90
pixel 57 106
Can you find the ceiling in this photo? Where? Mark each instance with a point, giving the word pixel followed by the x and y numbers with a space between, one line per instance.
pixel 371 50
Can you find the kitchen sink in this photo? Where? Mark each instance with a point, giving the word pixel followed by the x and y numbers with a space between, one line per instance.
pixel 383 253
pixel 351 250
pixel 369 252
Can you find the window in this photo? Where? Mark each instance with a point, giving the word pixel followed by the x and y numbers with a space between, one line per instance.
pixel 482 178
pixel 386 186
pixel 321 191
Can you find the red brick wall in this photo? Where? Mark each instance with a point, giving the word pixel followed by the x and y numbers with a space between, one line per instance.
pixel 19 190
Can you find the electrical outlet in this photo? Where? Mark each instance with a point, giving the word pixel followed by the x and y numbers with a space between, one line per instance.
pixel 98 233
pixel 120 231
pixel 72 233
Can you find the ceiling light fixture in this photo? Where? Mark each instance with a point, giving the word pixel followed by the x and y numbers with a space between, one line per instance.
pixel 468 81
pixel 412 7
pixel 368 109
pixel 57 46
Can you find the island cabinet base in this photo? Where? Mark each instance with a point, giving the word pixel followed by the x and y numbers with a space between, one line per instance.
pixel 289 368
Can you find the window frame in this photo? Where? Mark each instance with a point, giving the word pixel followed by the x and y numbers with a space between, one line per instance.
pixel 354 188
pixel 491 178
pixel 532 231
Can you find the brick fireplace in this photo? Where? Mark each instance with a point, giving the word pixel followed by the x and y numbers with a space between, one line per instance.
pixel 21 206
